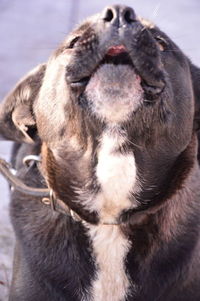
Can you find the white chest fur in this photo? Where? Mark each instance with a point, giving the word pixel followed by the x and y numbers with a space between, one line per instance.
pixel 110 248
pixel 116 173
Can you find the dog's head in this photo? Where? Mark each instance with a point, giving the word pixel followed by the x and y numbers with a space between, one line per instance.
pixel 115 107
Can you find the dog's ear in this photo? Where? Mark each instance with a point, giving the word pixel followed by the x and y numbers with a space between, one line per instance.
pixel 195 74
pixel 17 121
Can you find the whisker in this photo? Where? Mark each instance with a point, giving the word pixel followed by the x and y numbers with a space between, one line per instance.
pixel 74 10
pixel 156 11
pixel 64 33
pixel 143 28
pixel 42 48
pixel 131 142
pixel 172 50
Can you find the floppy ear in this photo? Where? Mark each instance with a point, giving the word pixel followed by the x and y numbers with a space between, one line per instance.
pixel 17 121
pixel 195 74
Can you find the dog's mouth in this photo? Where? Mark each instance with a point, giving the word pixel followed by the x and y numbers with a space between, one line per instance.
pixel 118 56
pixel 114 91
pixel 120 72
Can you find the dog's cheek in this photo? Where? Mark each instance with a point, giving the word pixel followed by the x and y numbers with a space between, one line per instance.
pixel 52 108
pixel 178 102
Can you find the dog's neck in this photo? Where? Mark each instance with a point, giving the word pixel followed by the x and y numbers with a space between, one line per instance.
pixel 176 179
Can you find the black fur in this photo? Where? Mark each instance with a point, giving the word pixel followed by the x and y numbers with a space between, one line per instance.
pixel 54 257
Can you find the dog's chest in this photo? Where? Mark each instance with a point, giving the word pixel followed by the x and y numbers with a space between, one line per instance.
pixel 110 249
pixel 116 174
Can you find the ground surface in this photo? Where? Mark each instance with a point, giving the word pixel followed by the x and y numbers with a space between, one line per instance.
pixel 30 30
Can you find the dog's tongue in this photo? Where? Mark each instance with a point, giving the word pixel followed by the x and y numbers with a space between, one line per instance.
pixel 115 50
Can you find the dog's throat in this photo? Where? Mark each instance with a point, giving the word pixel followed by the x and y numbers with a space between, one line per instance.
pixel 116 174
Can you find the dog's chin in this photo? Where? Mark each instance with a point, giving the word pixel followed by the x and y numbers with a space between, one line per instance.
pixel 114 92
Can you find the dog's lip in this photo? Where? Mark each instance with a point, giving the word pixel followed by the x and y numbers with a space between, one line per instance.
pixel 113 51
pixel 116 50
pixel 118 54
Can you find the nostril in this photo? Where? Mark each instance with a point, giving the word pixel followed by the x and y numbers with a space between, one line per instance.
pixel 108 15
pixel 129 16
pixel 118 15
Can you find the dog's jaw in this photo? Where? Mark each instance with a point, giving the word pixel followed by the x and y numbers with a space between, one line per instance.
pixel 114 93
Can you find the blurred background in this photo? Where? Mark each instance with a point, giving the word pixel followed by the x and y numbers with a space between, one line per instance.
pixel 31 30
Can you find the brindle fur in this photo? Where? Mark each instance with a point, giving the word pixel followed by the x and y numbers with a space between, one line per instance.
pixel 54 258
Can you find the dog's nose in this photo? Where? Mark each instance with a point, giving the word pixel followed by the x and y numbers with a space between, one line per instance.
pixel 119 15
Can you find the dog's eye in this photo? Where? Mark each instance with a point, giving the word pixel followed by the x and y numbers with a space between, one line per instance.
pixel 73 42
pixel 162 43
pixel 81 83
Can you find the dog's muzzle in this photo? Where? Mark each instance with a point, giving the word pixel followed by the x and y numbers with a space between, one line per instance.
pixel 117 39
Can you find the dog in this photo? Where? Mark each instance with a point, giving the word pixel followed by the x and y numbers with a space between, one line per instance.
pixel 114 117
